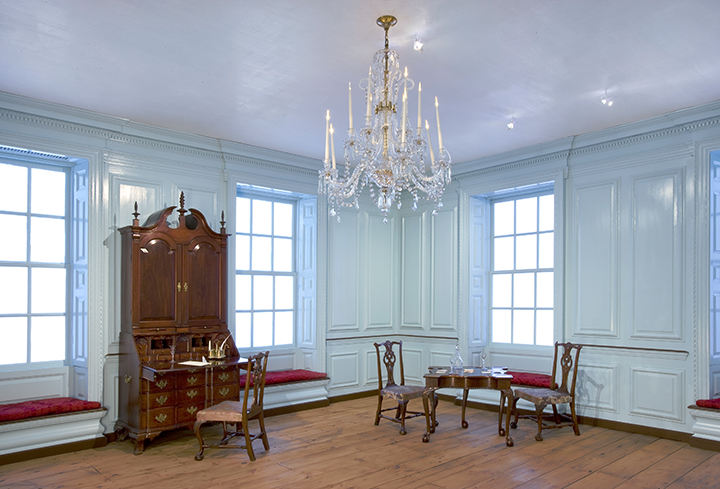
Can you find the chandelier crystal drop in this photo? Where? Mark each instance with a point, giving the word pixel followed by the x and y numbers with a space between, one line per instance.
pixel 387 154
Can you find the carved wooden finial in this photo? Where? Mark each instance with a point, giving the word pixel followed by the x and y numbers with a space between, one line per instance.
pixel 182 210
pixel 136 213
pixel 222 218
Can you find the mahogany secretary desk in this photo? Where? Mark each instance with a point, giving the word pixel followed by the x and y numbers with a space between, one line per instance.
pixel 174 310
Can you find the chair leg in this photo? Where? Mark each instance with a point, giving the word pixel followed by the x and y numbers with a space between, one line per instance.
pixel 556 416
pixel 263 433
pixel 426 407
pixel 248 439
pixel 379 408
pixel 539 411
pixel 502 410
pixel 514 410
pixel 199 456
pixel 402 409
pixel 576 427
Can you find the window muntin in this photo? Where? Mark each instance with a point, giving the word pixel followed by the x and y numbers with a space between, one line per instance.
pixel 522 274
pixel 33 264
pixel 265 278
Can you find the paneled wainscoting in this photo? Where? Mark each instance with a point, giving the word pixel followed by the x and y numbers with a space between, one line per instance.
pixel 338 446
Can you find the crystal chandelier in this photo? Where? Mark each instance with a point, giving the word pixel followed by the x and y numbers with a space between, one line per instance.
pixel 385 155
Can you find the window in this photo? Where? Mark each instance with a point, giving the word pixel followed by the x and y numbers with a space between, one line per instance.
pixel 33 262
pixel 522 276
pixel 265 276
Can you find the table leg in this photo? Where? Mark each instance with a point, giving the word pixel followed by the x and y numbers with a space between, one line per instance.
pixel 430 413
pixel 508 412
pixel 464 405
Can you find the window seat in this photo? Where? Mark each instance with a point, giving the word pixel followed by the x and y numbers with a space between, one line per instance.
pixel 43 423
pixel 292 390
pixel 706 413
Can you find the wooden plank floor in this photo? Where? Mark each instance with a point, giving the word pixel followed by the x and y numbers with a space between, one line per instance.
pixel 339 447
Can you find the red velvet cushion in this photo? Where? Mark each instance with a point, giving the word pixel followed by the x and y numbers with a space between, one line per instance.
pixel 527 378
pixel 708 403
pixel 288 376
pixel 44 407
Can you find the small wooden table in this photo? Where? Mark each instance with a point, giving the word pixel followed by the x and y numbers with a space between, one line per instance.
pixel 472 378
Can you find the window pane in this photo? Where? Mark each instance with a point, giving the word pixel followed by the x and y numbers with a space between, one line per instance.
pixel 13 347
pixel 282 255
pixel 242 253
pixel 47 240
pixel 47 338
pixel 283 328
pixel 502 290
pixel 14 290
pixel 547 250
pixel 545 289
pixel 14 249
pixel 526 256
pixel 501 326
pixel 544 328
pixel 504 252
pixel 262 292
pixel 504 218
pixel 524 290
pixel 283 219
pixel 524 327
pixel 48 290
pixel 242 329
pixel 262 329
pixel 526 215
pixel 261 253
pixel 242 215
pixel 284 292
pixel 547 213
pixel 47 194
pixel 13 188
pixel 261 217
pixel 243 289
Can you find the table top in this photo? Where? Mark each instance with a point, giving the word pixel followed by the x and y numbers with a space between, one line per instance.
pixel 471 378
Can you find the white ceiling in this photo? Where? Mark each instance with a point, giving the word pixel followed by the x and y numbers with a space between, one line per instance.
pixel 263 72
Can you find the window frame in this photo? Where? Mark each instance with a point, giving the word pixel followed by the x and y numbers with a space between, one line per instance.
pixel 514 194
pixel 47 161
pixel 270 195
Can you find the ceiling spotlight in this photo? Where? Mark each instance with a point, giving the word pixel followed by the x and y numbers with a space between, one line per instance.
pixel 606 100
pixel 511 124
pixel 418 45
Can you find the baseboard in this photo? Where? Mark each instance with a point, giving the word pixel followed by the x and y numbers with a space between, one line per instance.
pixel 612 425
pixel 293 408
pixel 11 458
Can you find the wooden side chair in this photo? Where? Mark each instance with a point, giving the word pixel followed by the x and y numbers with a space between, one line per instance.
pixel 399 392
pixel 239 413
pixel 557 394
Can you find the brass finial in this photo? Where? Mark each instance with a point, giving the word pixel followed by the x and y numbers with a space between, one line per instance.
pixel 386 22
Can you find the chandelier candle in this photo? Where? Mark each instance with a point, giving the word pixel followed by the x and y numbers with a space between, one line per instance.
pixel 387 154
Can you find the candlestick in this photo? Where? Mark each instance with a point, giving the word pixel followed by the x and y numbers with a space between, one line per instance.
pixel 332 142
pixel 437 116
pixel 368 97
pixel 432 155
pixel 419 126
pixel 327 135
pixel 404 115
pixel 350 104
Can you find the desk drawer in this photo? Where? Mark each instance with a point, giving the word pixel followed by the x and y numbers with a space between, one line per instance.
pixel 157 418
pixel 191 395
pixel 158 400
pixel 228 392
pixel 162 382
pixel 191 379
pixel 188 413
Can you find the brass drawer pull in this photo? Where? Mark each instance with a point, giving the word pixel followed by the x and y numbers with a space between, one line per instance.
pixel 224 376
pixel 160 418
pixel 162 400
pixel 191 409
pixel 161 383
pixel 191 394
pixel 192 380
pixel 224 391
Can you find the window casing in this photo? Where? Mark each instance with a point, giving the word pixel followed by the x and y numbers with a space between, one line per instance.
pixel 522 268
pixel 265 275
pixel 34 262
